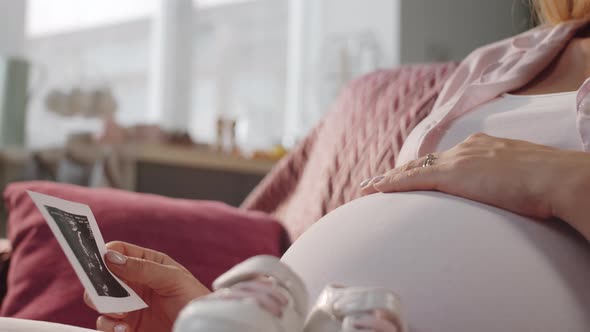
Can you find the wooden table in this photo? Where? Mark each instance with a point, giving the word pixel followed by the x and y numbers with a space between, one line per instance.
pixel 186 172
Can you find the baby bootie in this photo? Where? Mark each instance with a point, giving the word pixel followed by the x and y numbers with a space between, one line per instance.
pixel 259 295
pixel 343 309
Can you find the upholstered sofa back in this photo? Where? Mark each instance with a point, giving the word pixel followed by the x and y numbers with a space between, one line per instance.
pixel 359 138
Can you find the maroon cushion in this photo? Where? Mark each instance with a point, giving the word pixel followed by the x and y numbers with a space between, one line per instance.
pixel 206 237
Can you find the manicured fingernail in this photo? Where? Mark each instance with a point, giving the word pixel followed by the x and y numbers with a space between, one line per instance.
pixel 116 258
pixel 120 328
pixel 377 179
pixel 365 183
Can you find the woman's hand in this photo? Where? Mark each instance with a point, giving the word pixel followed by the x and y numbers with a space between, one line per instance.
pixel 522 177
pixel 162 283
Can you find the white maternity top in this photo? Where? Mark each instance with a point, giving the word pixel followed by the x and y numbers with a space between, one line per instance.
pixel 459 265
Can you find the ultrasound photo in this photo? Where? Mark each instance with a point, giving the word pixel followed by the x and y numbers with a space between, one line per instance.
pixel 78 234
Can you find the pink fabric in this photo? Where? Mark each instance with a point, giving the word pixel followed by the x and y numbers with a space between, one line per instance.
pixel 206 237
pixel 493 70
pixel 361 137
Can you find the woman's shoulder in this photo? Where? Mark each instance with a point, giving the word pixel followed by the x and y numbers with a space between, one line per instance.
pixel 541 39
pixel 523 40
pixel 497 62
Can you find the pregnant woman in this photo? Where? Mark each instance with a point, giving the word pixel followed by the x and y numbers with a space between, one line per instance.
pixel 483 226
pixel 481 232
pixel 492 234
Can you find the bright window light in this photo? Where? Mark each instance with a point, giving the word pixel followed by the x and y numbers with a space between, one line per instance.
pixel 213 3
pixel 46 17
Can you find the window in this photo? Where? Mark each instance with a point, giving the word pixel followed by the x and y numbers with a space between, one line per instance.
pixel 239 67
pixel 213 3
pixel 55 16
pixel 240 70
pixel 240 50
pixel 87 44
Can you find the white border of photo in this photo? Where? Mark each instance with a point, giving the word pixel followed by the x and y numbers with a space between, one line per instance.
pixel 103 304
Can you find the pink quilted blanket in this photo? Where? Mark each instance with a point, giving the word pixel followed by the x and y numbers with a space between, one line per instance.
pixel 361 137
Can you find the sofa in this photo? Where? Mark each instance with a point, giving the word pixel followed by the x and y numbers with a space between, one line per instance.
pixel 360 137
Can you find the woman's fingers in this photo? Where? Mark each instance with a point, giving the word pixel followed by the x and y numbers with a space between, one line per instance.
pixel 106 324
pixel 163 279
pixel 132 250
pixel 367 185
pixel 144 272
pixel 152 269
pixel 89 302
pixel 421 178
pixel 388 181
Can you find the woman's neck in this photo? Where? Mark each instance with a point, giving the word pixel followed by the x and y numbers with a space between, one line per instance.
pixel 567 72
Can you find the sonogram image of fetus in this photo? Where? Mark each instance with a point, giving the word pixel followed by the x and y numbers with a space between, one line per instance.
pixel 78 234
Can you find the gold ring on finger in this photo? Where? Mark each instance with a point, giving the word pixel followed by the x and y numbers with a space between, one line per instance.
pixel 429 161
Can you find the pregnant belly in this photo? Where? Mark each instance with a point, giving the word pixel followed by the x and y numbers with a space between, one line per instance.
pixel 458 265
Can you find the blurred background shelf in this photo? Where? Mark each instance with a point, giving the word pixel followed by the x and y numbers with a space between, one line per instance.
pixel 163 169
pixel 184 172
pixel 193 158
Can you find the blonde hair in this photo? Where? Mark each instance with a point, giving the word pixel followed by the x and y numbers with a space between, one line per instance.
pixel 557 11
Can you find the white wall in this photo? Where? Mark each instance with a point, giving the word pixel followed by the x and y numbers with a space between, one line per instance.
pixel 12 26
pixel 440 30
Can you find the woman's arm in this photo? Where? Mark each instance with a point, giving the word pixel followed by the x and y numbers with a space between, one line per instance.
pixel 571 202
pixel 529 179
